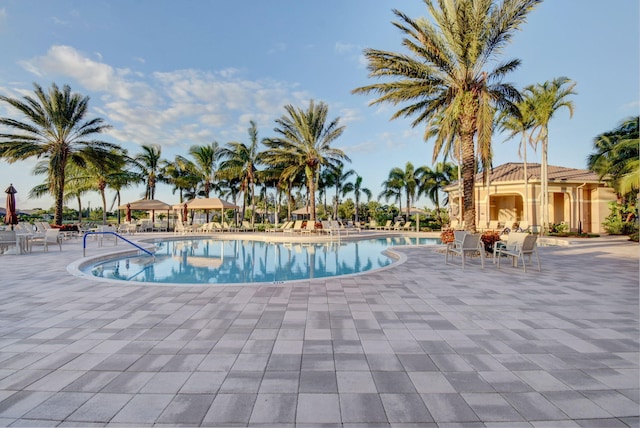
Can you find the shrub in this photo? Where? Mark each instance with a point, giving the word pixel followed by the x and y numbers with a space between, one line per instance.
pixel 447 236
pixel 489 238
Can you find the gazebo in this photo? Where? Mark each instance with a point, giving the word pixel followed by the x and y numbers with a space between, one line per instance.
pixel 210 204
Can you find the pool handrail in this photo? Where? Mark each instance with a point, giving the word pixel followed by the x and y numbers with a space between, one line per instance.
pixel 117 235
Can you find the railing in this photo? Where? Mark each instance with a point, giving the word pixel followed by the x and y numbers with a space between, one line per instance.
pixel 84 242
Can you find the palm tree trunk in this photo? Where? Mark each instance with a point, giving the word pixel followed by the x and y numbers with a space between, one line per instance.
pixel 104 206
pixel 468 180
pixel 312 198
pixel 526 177
pixel 79 209
pixel 545 185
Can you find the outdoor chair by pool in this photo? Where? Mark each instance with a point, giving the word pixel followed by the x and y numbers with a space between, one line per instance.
pixel 520 250
pixel 387 225
pixel 182 229
pixel 280 228
pixel 310 227
pixel 50 237
pixel 470 246
pixel 395 226
pixel 297 227
pixel 352 227
pixel 7 239
pixel 246 227
pixel 407 226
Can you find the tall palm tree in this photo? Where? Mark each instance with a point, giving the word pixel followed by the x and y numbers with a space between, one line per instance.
pixel 445 79
pixel 547 98
pixel 339 178
pixel 357 189
pixel 54 129
pixel 521 122
pixel 150 165
pixel 73 189
pixel 304 138
pixel 616 157
pixel 182 175
pixel 392 189
pixel 99 174
pixel 205 164
pixel 408 179
pixel 431 182
pixel 241 161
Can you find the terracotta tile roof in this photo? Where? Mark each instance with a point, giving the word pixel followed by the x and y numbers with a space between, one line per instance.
pixel 514 172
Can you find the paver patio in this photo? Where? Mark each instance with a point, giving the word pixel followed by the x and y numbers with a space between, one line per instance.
pixel 418 344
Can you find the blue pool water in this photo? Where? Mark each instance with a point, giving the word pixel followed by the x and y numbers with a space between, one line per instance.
pixel 214 261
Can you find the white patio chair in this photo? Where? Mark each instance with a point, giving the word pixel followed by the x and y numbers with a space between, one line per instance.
pixel 520 251
pixel 471 245
pixel 50 237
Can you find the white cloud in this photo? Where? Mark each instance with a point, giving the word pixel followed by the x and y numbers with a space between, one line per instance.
pixel 185 106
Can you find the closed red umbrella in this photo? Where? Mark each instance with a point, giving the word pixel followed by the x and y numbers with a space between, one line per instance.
pixel 128 214
pixel 185 213
pixel 11 217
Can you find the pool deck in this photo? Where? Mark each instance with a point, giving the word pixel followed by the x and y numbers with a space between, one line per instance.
pixel 417 344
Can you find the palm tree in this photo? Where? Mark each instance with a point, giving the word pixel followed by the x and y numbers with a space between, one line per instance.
pixel 150 165
pixel 616 157
pixel 55 129
pixel 446 82
pixel 241 162
pixel 357 189
pixel 392 189
pixel 547 99
pixel 432 181
pixel 339 178
pixel 408 179
pixel 205 164
pixel 73 189
pixel 520 123
pixel 181 173
pixel 305 142
pixel 101 173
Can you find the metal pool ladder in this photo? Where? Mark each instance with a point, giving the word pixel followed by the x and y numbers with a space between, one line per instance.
pixel 117 235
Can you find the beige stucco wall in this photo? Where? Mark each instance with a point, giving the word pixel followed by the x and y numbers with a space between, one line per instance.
pixel 568 202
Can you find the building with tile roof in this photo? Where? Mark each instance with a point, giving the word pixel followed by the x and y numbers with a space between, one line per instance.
pixel 577 197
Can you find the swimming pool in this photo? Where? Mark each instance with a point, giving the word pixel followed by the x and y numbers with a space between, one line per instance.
pixel 215 261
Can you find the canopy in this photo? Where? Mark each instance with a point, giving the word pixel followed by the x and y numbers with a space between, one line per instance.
pixel 210 204
pixel 303 211
pixel 146 205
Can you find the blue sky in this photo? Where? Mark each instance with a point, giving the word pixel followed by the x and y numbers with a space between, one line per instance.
pixel 185 73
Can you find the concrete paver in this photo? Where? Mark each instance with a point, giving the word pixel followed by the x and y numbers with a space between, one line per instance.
pixel 415 344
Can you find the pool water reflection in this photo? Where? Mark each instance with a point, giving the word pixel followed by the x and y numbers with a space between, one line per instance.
pixel 213 261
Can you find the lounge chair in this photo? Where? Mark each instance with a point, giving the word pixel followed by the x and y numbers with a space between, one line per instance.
pixel 297 227
pixel 386 226
pixel 471 245
pixel 280 228
pixel 493 225
pixel 51 237
pixel 396 226
pixel 182 229
pixel 352 227
pixel 407 226
pixel 520 250
pixel 309 228
pixel 229 227
pixel 246 227
pixel 372 225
